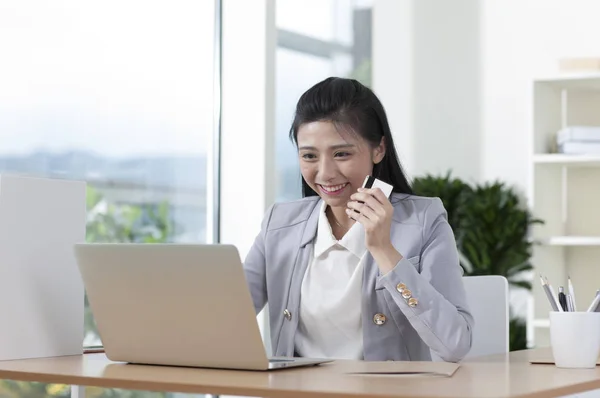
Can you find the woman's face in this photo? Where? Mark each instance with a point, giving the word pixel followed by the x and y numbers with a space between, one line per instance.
pixel 333 163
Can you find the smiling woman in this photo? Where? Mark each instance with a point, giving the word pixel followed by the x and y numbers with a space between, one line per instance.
pixel 335 265
pixel 342 135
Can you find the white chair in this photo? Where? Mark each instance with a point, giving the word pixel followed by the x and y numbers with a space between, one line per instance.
pixel 487 297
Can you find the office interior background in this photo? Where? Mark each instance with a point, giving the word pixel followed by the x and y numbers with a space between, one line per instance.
pixel 177 116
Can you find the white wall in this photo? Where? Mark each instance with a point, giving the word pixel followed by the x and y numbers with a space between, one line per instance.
pixel 506 69
pixel 392 71
pixel 426 57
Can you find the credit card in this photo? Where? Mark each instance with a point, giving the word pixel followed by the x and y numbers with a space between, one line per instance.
pixel 372 182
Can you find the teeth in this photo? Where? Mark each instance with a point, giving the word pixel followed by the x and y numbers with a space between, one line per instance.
pixel 333 188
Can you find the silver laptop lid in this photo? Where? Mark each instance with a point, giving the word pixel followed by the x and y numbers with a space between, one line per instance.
pixel 172 304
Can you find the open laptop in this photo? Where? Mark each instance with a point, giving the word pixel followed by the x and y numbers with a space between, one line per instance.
pixel 175 304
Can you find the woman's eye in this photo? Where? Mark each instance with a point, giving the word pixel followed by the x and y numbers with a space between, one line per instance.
pixel 341 154
pixel 308 156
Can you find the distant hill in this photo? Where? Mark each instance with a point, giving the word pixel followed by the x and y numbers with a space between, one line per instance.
pixel 176 171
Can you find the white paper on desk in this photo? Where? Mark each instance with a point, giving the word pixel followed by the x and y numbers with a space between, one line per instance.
pixel 404 368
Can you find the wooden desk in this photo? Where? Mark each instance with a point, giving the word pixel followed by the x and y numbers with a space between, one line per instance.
pixel 508 375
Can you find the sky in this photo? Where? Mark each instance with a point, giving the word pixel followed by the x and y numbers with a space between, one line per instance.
pixel 119 78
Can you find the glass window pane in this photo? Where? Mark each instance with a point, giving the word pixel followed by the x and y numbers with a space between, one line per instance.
pixel 119 94
pixel 328 20
pixel 17 389
pixel 313 18
pixel 96 392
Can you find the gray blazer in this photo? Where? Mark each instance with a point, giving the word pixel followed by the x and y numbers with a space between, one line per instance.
pixel 417 308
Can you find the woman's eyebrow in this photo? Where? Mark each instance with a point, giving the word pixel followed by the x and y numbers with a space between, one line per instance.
pixel 333 147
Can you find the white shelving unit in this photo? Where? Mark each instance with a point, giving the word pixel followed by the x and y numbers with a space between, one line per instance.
pixel 572 241
pixel 567 160
pixel 564 191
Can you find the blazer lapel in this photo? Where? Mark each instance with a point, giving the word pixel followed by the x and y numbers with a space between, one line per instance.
pixel 303 255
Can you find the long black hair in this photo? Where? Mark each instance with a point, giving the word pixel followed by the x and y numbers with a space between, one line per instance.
pixel 351 105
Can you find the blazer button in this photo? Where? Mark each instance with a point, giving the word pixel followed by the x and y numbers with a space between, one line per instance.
pixel 412 302
pixel 406 294
pixel 287 314
pixel 400 287
pixel 379 319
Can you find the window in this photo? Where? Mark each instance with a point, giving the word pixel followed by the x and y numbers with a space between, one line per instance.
pixel 316 39
pixel 119 94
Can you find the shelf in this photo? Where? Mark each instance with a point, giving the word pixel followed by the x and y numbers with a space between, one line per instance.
pixel 541 323
pixel 585 81
pixel 562 191
pixel 571 241
pixel 567 160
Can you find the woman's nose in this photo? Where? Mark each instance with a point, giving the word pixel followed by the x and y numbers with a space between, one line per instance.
pixel 327 169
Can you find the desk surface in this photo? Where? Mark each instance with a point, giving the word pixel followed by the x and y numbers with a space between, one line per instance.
pixel 508 375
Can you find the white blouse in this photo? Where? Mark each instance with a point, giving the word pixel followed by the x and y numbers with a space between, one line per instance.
pixel 329 324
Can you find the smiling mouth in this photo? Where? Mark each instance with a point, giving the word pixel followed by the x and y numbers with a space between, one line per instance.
pixel 332 189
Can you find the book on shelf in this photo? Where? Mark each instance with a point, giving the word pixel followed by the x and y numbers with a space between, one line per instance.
pixel 578 134
pixel 579 140
pixel 579 148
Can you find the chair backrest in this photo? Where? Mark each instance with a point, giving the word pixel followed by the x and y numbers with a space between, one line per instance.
pixel 488 300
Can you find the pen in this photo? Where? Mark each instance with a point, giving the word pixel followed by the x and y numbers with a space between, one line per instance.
pixel 562 299
pixel 572 293
pixel 570 303
pixel 550 296
pixel 554 298
pixel 594 305
pixel 597 309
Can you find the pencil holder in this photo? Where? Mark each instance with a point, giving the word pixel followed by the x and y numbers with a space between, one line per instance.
pixel 575 338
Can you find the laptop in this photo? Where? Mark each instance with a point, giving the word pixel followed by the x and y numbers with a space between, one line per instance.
pixel 175 304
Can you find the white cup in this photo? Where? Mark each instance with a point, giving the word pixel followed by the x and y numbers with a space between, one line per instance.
pixel 575 338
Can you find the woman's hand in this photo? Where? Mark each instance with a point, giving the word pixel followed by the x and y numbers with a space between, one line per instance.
pixel 375 214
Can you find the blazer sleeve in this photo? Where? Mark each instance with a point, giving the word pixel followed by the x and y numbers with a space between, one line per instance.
pixel 255 265
pixel 441 315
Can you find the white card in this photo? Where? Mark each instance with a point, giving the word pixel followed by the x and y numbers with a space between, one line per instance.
pixel 372 182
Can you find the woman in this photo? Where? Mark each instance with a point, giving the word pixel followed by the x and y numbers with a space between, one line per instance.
pixel 347 272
